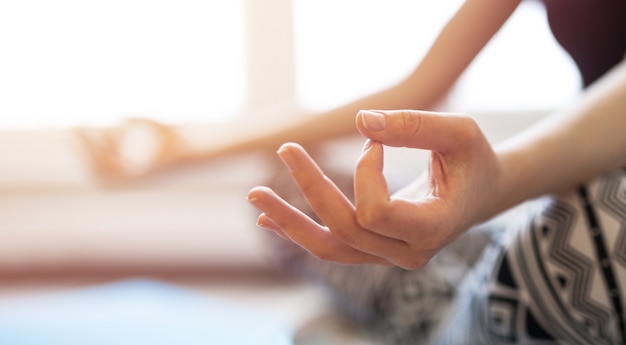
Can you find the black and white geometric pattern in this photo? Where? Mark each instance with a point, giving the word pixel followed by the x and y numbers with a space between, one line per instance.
pixel 554 272
pixel 556 279
pixel 393 305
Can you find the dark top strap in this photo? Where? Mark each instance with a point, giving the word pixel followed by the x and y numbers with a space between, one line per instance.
pixel 593 32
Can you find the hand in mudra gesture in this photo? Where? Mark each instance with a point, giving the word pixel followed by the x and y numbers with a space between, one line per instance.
pixel 462 187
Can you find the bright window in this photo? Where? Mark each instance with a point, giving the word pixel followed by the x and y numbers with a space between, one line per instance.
pixel 72 62
pixel 68 62
pixel 346 49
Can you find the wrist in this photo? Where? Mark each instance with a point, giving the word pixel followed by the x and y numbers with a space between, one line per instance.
pixel 516 182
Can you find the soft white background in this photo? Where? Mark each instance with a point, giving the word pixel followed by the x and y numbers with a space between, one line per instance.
pixel 228 64
pixel 72 62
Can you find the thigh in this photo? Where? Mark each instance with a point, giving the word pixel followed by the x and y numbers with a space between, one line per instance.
pixel 394 305
pixel 558 278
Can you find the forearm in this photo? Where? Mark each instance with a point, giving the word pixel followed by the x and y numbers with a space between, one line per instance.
pixel 569 148
pixel 310 130
pixel 461 39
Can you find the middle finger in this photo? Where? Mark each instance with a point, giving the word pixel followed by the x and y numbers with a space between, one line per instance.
pixel 332 206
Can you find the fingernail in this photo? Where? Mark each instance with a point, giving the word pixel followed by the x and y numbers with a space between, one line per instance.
pixel 255 202
pixel 261 223
pixel 287 157
pixel 374 121
pixel 253 199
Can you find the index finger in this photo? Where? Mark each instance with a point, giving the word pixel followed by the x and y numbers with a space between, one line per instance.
pixel 331 205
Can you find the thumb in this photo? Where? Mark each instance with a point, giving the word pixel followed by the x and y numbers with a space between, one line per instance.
pixel 418 129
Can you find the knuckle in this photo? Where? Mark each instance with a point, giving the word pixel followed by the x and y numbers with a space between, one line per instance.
pixel 410 122
pixel 370 217
pixel 344 235
pixel 470 128
pixel 309 184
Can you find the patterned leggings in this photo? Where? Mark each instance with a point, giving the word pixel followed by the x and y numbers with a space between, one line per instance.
pixel 552 271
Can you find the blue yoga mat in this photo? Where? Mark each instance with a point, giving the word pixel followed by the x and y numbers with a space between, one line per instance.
pixel 135 313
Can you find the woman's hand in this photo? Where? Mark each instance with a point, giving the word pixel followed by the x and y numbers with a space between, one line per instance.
pixel 135 148
pixel 460 189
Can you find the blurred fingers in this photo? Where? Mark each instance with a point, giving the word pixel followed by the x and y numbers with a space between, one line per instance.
pixel 302 230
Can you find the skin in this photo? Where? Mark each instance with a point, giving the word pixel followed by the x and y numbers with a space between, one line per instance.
pixel 458 43
pixel 379 228
pixel 467 183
